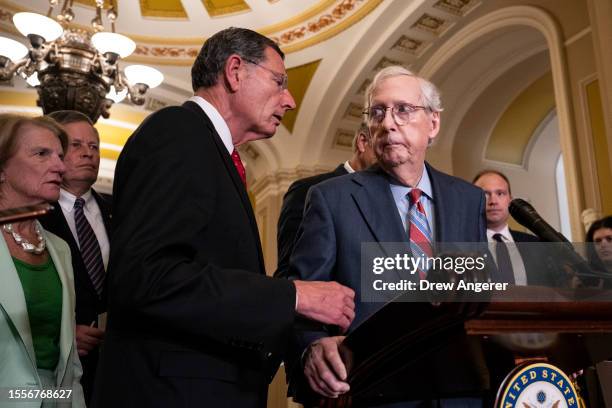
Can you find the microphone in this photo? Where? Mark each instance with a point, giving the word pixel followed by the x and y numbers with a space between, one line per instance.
pixel 528 217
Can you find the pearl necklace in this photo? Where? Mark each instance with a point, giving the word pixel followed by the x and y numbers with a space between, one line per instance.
pixel 25 244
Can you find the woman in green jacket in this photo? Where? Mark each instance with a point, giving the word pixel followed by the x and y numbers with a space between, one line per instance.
pixel 39 365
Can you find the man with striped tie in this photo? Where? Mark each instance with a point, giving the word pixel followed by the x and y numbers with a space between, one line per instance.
pixel 402 199
pixel 82 218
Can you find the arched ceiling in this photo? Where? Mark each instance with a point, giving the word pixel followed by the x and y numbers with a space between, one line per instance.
pixel 171 32
pixel 333 49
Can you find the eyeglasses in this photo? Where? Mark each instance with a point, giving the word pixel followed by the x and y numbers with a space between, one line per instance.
pixel 402 113
pixel 281 79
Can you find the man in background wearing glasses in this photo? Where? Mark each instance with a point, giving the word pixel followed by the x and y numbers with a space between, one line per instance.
pixel 402 199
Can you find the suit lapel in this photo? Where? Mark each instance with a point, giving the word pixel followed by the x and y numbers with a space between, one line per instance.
pixel 61 258
pixel 444 210
pixel 104 210
pixel 236 181
pixel 12 300
pixel 58 224
pixel 377 206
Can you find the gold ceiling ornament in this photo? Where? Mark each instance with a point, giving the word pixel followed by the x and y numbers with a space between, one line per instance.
pixel 70 67
pixel 163 9
pixel 336 14
pixel 299 81
pixel 217 8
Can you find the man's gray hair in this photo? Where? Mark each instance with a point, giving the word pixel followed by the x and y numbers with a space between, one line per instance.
pixel 363 129
pixel 429 92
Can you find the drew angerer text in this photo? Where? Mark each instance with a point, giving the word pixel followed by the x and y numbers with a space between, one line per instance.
pixel 424 285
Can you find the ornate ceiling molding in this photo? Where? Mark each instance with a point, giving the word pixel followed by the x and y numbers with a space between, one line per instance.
pixel 317 24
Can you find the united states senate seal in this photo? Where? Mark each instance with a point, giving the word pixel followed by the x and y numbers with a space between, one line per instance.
pixel 537 385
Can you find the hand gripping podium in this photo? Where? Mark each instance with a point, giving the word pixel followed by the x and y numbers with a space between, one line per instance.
pixel 413 351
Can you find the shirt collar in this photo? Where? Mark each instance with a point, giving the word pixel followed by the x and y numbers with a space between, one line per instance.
pixel 505 233
pixel 347 167
pixel 67 199
pixel 400 191
pixel 217 120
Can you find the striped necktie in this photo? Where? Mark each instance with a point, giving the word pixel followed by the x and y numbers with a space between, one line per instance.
pixel 90 249
pixel 239 166
pixel 418 230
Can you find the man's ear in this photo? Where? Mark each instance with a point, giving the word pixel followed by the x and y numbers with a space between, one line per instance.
pixel 434 123
pixel 362 141
pixel 232 72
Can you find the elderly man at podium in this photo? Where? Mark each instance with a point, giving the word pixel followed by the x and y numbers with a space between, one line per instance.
pixel 402 199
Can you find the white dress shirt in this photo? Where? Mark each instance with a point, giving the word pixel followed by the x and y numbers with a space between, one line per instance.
pixel 347 167
pixel 94 217
pixel 217 120
pixel 400 196
pixel 518 266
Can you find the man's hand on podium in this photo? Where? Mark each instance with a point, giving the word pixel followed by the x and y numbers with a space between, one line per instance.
pixel 324 369
pixel 326 302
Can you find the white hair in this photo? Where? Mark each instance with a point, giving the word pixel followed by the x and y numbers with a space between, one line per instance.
pixel 429 92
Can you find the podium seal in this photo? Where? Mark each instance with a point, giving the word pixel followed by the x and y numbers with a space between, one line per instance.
pixel 537 385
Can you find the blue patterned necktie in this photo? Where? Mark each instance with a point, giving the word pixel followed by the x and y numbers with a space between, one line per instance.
pixel 90 249
pixel 419 230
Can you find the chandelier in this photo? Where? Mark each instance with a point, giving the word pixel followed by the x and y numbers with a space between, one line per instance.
pixel 70 67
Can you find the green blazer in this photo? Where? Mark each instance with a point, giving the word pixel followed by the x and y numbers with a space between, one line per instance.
pixel 17 358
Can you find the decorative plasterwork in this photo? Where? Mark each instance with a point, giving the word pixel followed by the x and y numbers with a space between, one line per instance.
pixel 319 23
pixel 166 52
pixel 354 112
pixel 92 3
pixel 431 24
pixel 456 7
pixel 386 62
pixel 344 138
pixel 339 12
pixel 409 45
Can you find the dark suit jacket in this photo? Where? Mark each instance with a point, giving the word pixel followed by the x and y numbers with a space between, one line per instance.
pixel 344 212
pixel 539 271
pixel 88 304
pixel 291 215
pixel 193 320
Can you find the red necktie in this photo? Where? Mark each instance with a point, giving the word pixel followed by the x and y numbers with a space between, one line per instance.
pixel 239 166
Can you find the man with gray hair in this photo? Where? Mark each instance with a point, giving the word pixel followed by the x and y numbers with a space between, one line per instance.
pixel 193 320
pixel 293 201
pixel 402 199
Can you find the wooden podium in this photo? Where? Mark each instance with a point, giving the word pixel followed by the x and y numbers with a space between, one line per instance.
pixel 407 342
